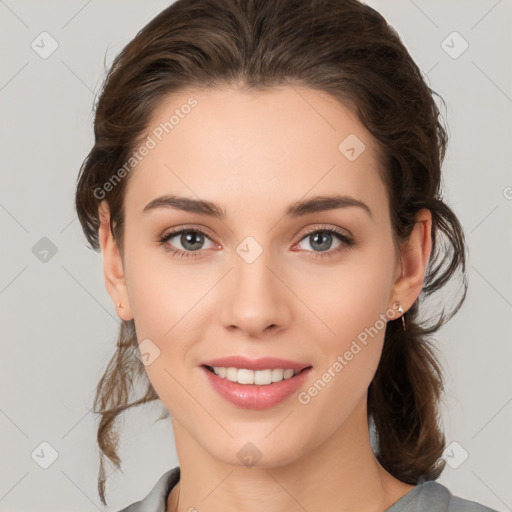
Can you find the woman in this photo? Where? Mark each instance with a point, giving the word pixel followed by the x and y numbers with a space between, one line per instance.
pixel 265 190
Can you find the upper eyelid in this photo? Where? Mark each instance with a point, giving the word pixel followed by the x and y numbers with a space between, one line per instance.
pixel 176 231
pixel 338 230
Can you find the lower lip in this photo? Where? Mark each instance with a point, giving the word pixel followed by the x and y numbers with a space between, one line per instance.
pixel 252 396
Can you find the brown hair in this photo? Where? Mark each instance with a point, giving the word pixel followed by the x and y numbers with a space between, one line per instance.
pixel 344 48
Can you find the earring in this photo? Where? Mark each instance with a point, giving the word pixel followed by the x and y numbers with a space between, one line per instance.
pixel 401 311
pixel 119 305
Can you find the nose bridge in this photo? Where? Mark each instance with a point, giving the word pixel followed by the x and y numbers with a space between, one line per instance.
pixel 255 298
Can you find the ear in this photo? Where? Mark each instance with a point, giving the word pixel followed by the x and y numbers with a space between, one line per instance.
pixel 415 255
pixel 113 268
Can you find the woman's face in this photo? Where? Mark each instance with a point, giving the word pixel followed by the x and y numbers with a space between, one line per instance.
pixel 259 282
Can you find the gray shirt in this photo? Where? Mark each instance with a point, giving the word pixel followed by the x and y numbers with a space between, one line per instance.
pixel 429 496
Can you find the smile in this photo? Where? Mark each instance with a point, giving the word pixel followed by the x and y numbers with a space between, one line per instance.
pixel 257 377
pixel 239 388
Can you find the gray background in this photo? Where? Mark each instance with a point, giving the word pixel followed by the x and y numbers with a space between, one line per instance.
pixel 59 325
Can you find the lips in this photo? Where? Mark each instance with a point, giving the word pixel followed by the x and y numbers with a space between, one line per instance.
pixel 252 396
pixel 263 363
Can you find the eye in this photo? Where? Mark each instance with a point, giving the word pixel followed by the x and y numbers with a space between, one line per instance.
pixel 322 239
pixel 191 241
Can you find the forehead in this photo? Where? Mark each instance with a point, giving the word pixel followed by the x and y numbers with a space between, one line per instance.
pixel 240 147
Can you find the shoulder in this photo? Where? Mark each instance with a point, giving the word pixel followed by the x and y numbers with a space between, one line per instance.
pixel 432 496
pixel 155 500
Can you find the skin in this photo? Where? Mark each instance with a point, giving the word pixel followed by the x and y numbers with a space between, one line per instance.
pixel 254 154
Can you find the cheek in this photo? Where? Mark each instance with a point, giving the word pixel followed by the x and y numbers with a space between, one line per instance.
pixel 352 296
pixel 155 288
pixel 162 306
pixel 353 307
pixel 165 299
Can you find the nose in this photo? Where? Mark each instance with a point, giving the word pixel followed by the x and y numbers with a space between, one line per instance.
pixel 255 299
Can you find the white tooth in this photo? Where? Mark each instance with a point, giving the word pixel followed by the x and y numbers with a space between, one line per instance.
pixel 232 374
pixel 263 377
pixel 258 377
pixel 288 374
pixel 245 376
pixel 277 374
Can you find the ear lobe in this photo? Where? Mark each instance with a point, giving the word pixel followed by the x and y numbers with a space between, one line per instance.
pixel 415 255
pixel 113 270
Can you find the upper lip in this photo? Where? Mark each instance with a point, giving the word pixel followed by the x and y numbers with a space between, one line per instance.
pixel 262 363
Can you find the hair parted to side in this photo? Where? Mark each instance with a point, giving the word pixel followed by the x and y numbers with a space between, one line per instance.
pixel 346 49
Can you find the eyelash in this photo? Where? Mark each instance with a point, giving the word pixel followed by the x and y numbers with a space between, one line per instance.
pixel 346 242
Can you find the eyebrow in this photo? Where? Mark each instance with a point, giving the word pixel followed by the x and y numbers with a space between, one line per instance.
pixel 297 209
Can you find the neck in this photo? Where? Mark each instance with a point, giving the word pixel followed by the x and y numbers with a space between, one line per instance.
pixel 339 475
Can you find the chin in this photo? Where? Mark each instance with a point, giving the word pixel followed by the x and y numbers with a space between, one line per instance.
pixel 257 452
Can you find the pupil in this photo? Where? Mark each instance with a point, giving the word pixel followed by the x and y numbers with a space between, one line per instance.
pixel 191 241
pixel 325 237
